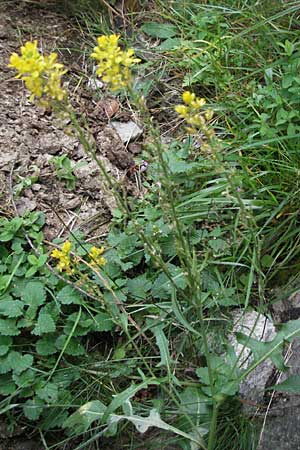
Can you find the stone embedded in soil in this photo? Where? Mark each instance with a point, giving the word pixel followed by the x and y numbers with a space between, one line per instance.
pixel 128 131
pixel 7 159
pixel 282 418
pixel 261 328
pixel 111 146
pixel 94 84
pixel 281 430
pixel 287 309
pixel 55 140
pixel 25 205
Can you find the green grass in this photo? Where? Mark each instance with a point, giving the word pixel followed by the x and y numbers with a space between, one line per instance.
pixel 215 232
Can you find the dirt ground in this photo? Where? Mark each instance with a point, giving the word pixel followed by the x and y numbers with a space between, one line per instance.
pixel 30 136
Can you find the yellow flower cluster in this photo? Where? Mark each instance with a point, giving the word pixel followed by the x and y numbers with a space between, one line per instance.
pixel 113 63
pixel 95 254
pixel 41 74
pixel 64 258
pixel 191 112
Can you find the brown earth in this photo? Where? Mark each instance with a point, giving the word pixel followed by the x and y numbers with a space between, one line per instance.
pixel 31 136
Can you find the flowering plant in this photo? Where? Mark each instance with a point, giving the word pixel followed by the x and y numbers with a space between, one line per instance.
pixel 41 74
pixel 191 112
pixel 113 63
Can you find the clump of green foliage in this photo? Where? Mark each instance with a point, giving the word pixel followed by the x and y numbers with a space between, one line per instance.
pixel 45 326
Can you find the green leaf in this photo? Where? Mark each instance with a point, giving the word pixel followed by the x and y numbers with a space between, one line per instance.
pixel 25 379
pixel 272 349
pixel 4 364
pixel 163 345
pixel 84 326
pixel 8 327
pixel 11 308
pixel 163 287
pixel 32 259
pixel 119 294
pixel 45 324
pixel 19 362
pixel 119 353
pixel 46 346
pixel 5 344
pixel 178 165
pixel 202 373
pixel 66 377
pixel 142 424
pixel 127 394
pixel 17 246
pixel 52 308
pixel 34 293
pixel 170 44
pixel 292 384
pixel 218 245
pixel 81 420
pixel 7 386
pixel 10 228
pixel 139 286
pixel 194 403
pixel 4 282
pixel 31 271
pixel 68 295
pixel 125 244
pixel 102 322
pixel 49 392
pixel 168 246
pixel 73 348
pixel 33 408
pixel 159 30
pixel 267 261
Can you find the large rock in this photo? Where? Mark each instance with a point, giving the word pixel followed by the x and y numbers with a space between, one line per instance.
pixel 261 328
pixel 282 422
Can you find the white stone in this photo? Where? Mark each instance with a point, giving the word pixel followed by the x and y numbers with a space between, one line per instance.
pixel 261 328
pixel 94 84
pixel 252 324
pixel 127 131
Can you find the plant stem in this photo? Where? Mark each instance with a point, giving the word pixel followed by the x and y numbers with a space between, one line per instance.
pixel 212 429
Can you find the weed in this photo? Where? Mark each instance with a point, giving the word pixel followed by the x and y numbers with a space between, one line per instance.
pixel 65 170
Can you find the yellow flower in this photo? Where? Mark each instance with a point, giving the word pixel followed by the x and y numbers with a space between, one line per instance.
pixel 113 63
pixel 95 256
pixel 64 258
pixel 182 110
pixel 191 112
pixel 41 74
pixel 66 247
pixel 188 97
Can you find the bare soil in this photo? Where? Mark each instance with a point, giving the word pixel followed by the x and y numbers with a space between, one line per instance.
pixel 31 136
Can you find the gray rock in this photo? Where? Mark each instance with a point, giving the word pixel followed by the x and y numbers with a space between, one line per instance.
pixel 281 430
pixel 282 422
pixel 258 327
pixel 287 309
pixel 25 204
pixel 128 131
